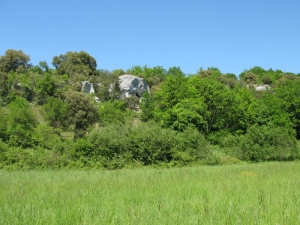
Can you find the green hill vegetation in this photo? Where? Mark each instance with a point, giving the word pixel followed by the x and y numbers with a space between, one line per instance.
pixel 209 118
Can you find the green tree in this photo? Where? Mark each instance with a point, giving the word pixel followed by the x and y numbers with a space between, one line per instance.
pixel 250 78
pixel 81 113
pixel 21 123
pixel 135 70
pixel 47 137
pixel 73 63
pixel 55 112
pixel 3 125
pixel 4 87
pixel 147 106
pixel 45 87
pixel 262 143
pixel 258 71
pixel 153 76
pixel 44 65
pixel 172 90
pixel 229 80
pixel 14 60
pixel 230 76
pixel 191 146
pixel 270 111
pixel 211 72
pixel 186 113
pixel 217 102
pixel 131 102
pixel 111 113
pixel 289 93
pixel 175 71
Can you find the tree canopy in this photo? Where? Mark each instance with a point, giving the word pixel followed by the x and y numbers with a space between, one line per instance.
pixel 15 61
pixel 46 119
pixel 73 63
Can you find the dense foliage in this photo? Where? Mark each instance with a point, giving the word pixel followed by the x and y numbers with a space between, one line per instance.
pixel 47 122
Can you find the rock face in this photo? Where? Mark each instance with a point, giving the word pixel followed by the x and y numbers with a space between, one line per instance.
pixel 87 87
pixel 132 86
pixel 129 85
pixel 262 87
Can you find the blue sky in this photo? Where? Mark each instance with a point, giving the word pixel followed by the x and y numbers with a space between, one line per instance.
pixel 229 34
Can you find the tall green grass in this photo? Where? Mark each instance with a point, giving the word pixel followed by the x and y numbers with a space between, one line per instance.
pixel 266 193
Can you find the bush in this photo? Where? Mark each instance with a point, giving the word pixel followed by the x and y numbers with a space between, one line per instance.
pixel 55 111
pixel 262 143
pixel 21 123
pixel 82 147
pixel 191 146
pixel 215 138
pixel 3 125
pixel 230 143
pixel 108 141
pixel 146 144
pixel 111 113
pixel 150 144
pixel 47 137
pixel 3 151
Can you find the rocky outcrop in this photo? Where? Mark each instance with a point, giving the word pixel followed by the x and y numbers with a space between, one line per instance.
pixel 87 87
pixel 262 87
pixel 132 86
pixel 129 85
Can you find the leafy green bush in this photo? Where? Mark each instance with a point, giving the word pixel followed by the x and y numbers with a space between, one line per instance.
pixel 47 137
pixel 82 147
pixel 215 138
pixel 108 141
pixel 146 144
pixel 3 151
pixel 21 123
pixel 55 111
pixel 191 146
pixel 150 144
pixel 3 125
pixel 263 143
pixel 230 143
pixel 131 102
pixel 111 113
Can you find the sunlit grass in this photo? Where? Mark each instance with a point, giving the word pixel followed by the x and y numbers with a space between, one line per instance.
pixel 266 193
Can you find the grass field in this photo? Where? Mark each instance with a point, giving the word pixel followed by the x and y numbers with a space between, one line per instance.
pixel 266 193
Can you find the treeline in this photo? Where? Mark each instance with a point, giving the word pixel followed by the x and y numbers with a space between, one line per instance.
pixel 47 122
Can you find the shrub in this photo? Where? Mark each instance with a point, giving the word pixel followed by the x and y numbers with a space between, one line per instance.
pixel 21 123
pixel 3 151
pixel 111 113
pixel 82 147
pixel 108 141
pixel 262 143
pixel 150 144
pixel 55 111
pixel 146 144
pixel 3 125
pixel 191 145
pixel 215 138
pixel 230 143
pixel 47 137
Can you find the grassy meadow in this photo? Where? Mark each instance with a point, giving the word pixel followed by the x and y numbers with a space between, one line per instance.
pixel 265 193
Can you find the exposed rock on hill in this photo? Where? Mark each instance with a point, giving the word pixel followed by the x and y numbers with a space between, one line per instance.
pixel 129 85
pixel 132 86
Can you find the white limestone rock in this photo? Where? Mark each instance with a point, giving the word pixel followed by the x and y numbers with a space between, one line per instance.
pixel 87 87
pixel 262 87
pixel 132 86
pixel 129 85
